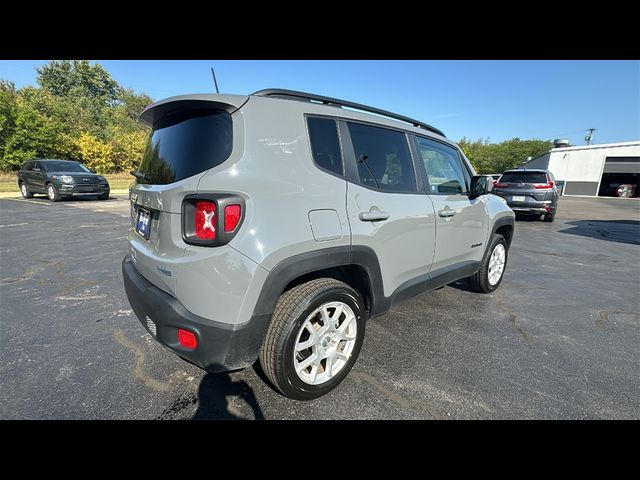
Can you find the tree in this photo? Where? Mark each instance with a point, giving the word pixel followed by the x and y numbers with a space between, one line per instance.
pixel 8 111
pixel 96 154
pixel 34 136
pixel 79 78
pixel 489 157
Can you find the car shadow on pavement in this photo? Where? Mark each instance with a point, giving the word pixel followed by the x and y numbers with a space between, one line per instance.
pixel 213 394
pixel 621 231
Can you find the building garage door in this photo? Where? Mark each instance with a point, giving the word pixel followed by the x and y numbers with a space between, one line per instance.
pixel 622 165
pixel 620 171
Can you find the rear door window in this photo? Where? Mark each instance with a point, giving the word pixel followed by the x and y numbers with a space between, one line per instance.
pixel 186 143
pixel 524 177
pixel 383 158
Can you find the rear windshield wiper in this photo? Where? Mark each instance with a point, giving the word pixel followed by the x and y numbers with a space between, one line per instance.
pixel 140 175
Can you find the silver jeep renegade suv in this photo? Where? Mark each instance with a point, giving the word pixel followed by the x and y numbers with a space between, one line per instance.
pixel 272 226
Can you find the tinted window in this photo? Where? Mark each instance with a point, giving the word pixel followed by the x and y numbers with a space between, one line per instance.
pixel 28 166
pixel 65 167
pixel 443 167
pixel 186 143
pixel 325 146
pixel 523 177
pixel 383 157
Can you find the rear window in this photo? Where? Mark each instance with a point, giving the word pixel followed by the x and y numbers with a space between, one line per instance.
pixel 185 144
pixel 524 177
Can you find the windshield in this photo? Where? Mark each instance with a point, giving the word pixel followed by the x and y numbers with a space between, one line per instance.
pixel 184 144
pixel 71 167
pixel 524 177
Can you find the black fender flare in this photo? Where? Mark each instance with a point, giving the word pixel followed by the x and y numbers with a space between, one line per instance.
pixel 293 267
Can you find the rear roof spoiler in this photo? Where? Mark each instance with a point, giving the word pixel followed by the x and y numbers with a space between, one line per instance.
pixel 157 110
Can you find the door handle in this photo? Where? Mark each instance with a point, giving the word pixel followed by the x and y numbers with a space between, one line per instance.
pixel 446 213
pixel 373 216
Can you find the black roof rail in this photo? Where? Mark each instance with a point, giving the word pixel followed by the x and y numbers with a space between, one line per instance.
pixel 293 94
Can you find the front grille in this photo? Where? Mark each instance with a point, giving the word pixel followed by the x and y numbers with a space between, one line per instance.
pixel 86 181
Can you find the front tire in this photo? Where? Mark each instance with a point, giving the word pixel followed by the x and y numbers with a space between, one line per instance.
pixel 52 193
pixel 488 278
pixel 104 196
pixel 25 191
pixel 314 339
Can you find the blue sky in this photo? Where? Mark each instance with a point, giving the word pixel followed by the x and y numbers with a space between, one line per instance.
pixel 476 99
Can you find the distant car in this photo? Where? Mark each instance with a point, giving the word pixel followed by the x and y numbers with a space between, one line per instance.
pixel 60 179
pixel 529 192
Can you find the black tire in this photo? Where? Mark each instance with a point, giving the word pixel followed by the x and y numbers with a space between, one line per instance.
pixel 292 310
pixel 24 190
pixel 480 280
pixel 52 193
pixel 104 196
pixel 549 217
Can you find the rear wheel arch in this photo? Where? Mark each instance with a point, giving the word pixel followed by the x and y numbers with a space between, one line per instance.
pixel 356 266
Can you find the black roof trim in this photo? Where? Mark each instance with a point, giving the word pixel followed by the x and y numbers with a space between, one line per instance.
pixel 293 94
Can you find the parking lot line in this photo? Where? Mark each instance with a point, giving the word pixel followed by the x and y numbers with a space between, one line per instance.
pixel 25 200
pixel 13 225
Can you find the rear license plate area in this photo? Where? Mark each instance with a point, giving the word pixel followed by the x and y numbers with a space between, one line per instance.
pixel 143 223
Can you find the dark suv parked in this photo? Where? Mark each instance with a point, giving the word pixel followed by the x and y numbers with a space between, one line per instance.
pixel 60 179
pixel 529 192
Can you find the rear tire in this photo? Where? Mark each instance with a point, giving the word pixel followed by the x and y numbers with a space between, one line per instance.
pixel 328 316
pixel 549 217
pixel 488 278
pixel 53 195
pixel 25 191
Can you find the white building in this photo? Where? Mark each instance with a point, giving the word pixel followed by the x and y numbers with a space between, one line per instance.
pixel 592 169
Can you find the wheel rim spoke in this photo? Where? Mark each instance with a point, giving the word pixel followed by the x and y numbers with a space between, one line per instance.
pixel 306 362
pixel 328 366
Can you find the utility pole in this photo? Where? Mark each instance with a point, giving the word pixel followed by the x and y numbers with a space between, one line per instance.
pixel 589 137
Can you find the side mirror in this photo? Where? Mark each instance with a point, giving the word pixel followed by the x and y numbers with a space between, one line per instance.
pixel 481 185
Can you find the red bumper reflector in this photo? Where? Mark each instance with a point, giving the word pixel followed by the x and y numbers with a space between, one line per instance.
pixel 187 339
pixel 232 215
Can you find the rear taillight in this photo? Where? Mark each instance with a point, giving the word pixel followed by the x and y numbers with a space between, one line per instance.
pixel 211 220
pixel 501 185
pixel 542 185
pixel 205 220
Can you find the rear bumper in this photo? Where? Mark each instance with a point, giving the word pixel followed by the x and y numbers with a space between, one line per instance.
pixel 520 209
pixel 221 346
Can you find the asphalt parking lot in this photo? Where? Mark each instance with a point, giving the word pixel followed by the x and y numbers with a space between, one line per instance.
pixel 558 340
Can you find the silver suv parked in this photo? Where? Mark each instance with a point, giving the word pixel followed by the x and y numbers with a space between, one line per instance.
pixel 272 226
pixel 529 192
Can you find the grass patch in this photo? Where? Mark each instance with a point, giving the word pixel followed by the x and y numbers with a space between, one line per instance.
pixel 117 181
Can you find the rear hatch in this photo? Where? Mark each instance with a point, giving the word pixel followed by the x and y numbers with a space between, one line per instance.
pixel 522 188
pixel 189 136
